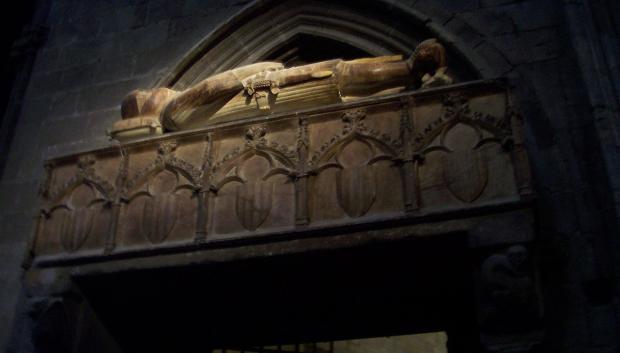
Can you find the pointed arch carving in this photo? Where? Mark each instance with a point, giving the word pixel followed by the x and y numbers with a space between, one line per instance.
pixel 456 110
pixel 356 181
pixel 165 160
pixel 264 27
pixel 85 174
pixel 254 193
pixel 465 168
pixel 154 194
pixel 73 208
pixel 383 146
pixel 282 160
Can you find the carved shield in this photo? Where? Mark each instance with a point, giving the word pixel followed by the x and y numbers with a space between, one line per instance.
pixel 253 203
pixel 465 174
pixel 356 189
pixel 75 226
pixel 159 217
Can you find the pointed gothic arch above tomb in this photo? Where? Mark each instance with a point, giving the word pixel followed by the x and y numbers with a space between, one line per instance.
pixel 268 30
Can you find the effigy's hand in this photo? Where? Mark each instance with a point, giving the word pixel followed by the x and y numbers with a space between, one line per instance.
pixel 428 57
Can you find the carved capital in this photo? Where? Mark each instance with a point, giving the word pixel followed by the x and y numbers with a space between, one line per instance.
pixel 85 166
pixel 166 149
pixel 255 136
pixel 354 120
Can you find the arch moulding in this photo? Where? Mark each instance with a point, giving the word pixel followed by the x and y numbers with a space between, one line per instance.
pixel 265 26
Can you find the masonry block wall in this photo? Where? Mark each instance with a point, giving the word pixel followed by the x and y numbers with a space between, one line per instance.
pixel 556 54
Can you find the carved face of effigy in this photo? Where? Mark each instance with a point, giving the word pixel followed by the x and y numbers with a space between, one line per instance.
pixel 428 57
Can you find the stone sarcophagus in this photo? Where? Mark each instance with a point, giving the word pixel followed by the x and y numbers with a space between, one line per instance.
pixel 395 159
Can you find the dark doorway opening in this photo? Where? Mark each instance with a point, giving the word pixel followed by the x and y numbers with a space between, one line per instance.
pixel 383 289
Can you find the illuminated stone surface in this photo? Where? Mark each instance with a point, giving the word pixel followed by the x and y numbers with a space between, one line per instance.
pixel 395 157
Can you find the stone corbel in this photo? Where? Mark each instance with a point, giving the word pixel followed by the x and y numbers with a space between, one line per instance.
pixel 506 285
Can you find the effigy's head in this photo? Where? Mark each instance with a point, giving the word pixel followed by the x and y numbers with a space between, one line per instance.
pixel 133 102
pixel 428 57
pixel 140 113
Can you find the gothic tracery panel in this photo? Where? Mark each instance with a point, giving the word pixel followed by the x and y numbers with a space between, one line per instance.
pixel 158 201
pixel 439 150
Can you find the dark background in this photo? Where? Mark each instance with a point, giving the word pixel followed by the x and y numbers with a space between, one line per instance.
pixel 17 23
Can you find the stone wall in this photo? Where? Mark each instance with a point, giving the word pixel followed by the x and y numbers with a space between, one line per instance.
pixel 98 51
